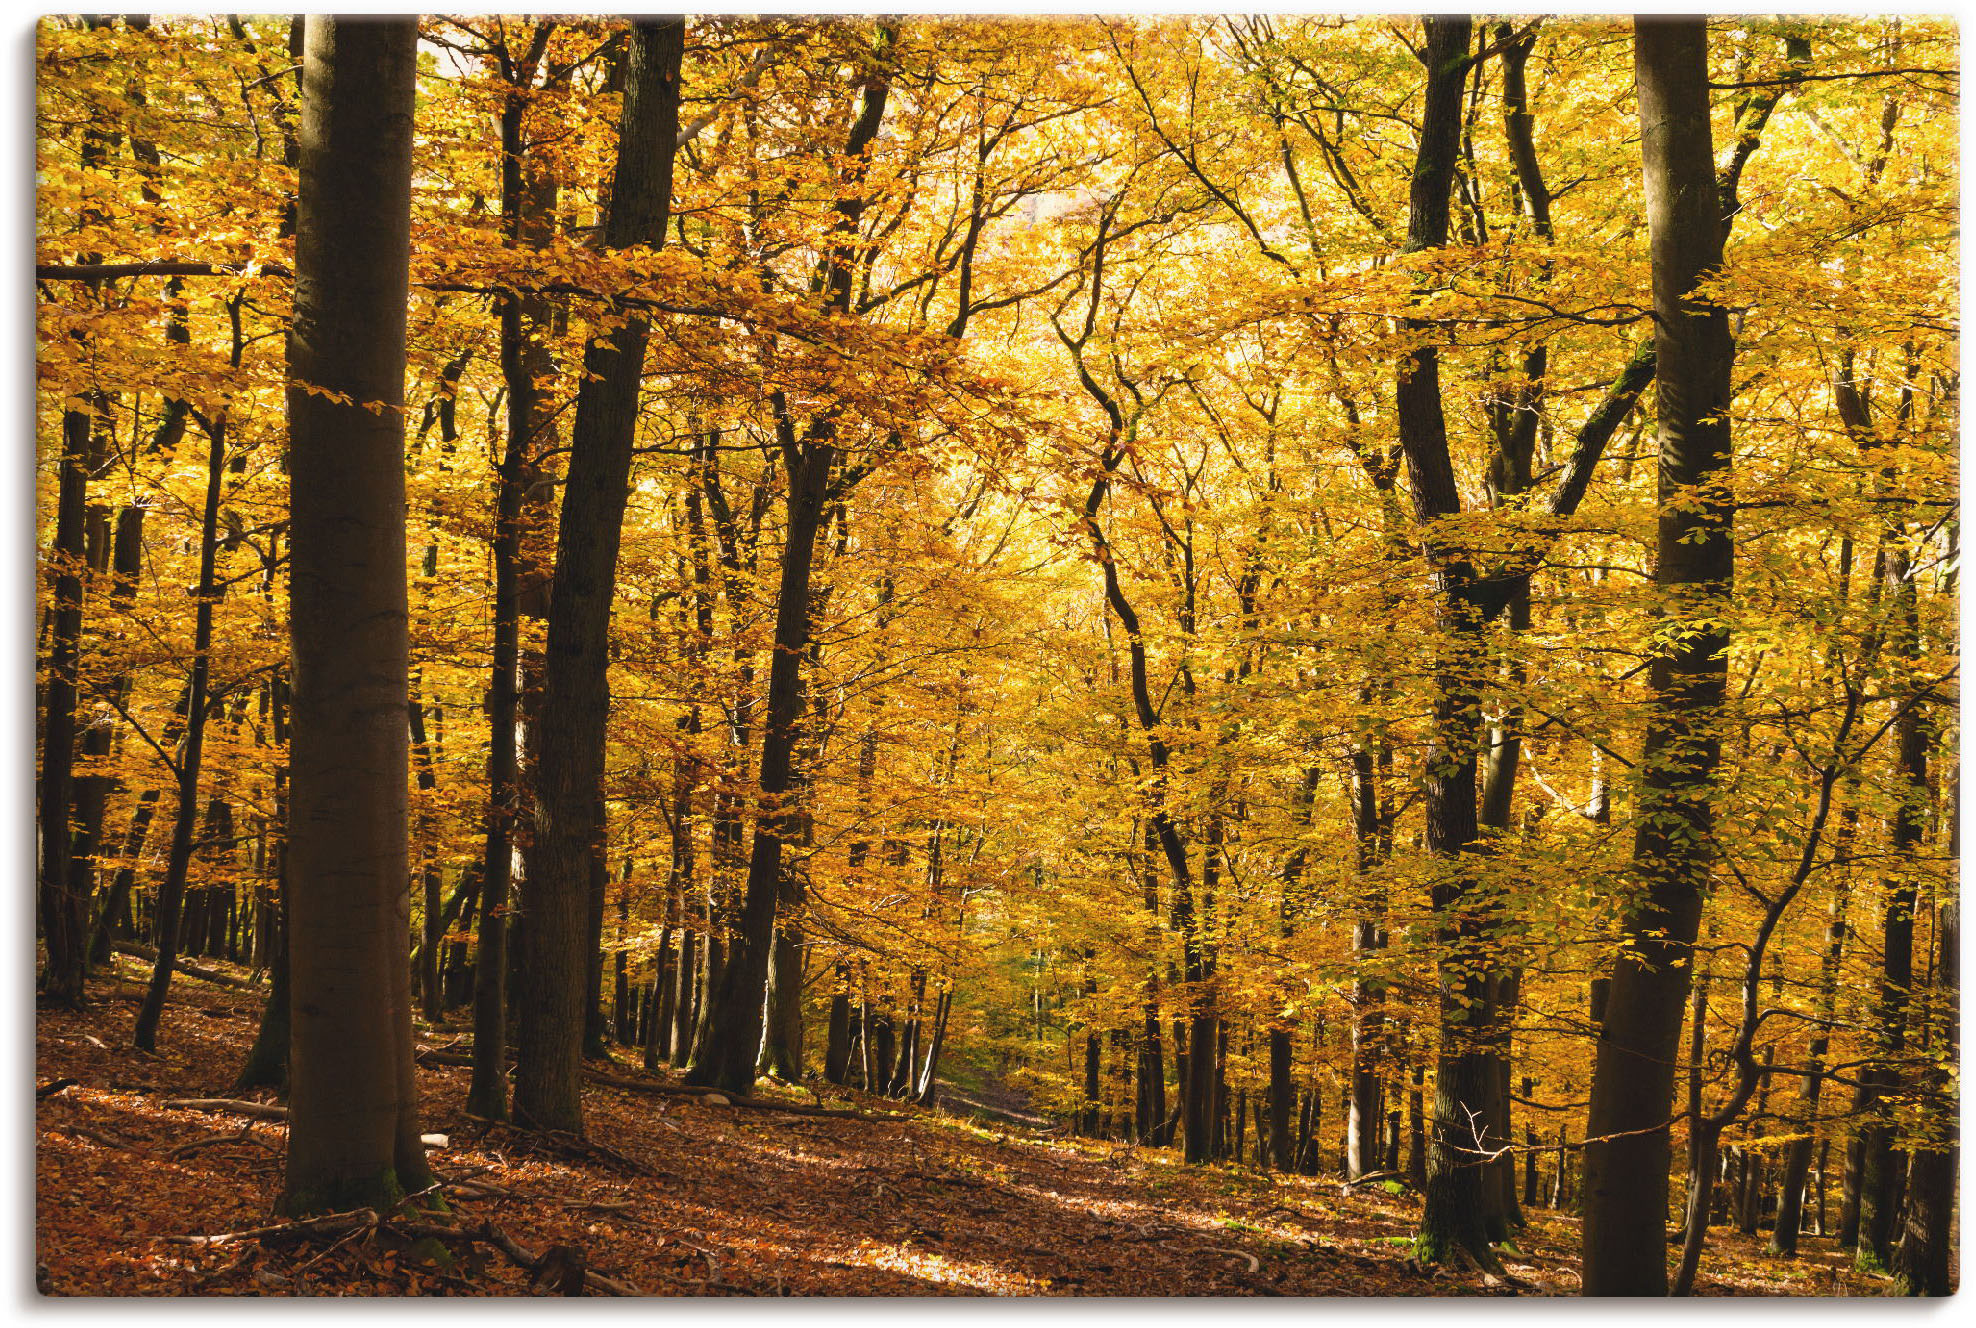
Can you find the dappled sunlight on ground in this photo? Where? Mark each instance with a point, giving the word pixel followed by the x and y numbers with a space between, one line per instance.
pixel 727 1201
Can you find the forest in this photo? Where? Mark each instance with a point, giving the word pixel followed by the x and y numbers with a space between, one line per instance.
pixel 910 655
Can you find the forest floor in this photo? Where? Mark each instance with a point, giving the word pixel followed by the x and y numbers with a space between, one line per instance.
pixel 694 1199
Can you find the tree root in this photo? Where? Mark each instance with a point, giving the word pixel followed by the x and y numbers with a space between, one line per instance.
pixel 561 1143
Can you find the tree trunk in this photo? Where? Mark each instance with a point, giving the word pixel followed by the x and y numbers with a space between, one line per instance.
pixel 171 891
pixel 686 981
pixel 1417 1129
pixel 353 1110
pixel 1454 1221
pixel 1282 1097
pixel 428 839
pixel 1922 1262
pixel 1366 1111
pixel 595 1024
pixel 266 1065
pixel 782 1053
pixel 624 1016
pixel 1797 1159
pixel 837 1042
pixel 733 1035
pixel 576 697
pixel 927 1094
pixel 1883 1172
pixel 1152 1115
pixel 1627 1150
pixel 64 916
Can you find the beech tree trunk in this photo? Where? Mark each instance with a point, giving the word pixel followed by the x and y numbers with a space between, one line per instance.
pixel 837 1039
pixel 1882 1170
pixel 731 1037
pixel 64 917
pixel 353 1109
pixel 1797 1159
pixel 1454 1215
pixel 171 891
pixel 430 1001
pixel 1922 1260
pixel 576 696
pixel 267 1060
pixel 1627 1150
pixel 1365 1112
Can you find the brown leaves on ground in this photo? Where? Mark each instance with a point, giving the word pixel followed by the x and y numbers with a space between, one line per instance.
pixel 733 1202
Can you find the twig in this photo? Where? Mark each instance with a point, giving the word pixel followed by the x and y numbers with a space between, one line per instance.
pixel 245 1135
pixel 104 1138
pixel 1255 1264
pixel 327 1224
pixel 713 1263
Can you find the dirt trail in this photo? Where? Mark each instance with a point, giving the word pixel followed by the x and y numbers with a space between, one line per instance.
pixel 993 1100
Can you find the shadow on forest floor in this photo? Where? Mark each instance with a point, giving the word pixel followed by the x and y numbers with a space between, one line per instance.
pixel 736 1202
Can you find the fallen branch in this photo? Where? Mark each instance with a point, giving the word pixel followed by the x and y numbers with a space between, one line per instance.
pixel 104 1138
pixel 1371 1176
pixel 561 1143
pixel 329 1224
pixel 599 1205
pixel 713 1263
pixel 150 956
pixel 733 1099
pixel 52 1087
pixel 475 1189
pixel 245 1135
pixel 233 1105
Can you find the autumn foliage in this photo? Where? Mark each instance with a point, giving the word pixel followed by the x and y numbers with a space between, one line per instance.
pixel 1141 648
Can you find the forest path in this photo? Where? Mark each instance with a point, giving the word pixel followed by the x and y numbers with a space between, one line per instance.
pixel 992 1098
pixel 722 1200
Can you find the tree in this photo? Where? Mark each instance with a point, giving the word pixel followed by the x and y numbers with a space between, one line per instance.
pixel 918 655
pixel 353 1102
pixel 1627 1149
pixel 522 203
pixel 727 1051
pixel 576 696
